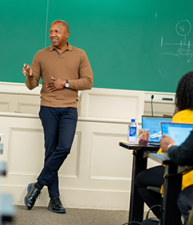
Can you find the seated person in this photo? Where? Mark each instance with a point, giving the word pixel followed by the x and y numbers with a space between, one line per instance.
pixel 181 155
pixel 154 176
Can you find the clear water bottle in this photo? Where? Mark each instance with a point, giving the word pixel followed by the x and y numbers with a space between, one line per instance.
pixel 132 132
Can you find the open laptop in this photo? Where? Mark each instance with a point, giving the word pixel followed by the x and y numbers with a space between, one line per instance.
pixel 153 123
pixel 178 131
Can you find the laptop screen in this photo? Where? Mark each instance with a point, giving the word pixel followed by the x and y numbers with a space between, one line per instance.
pixel 178 131
pixel 153 123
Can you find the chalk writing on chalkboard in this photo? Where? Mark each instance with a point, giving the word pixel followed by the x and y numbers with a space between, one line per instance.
pixel 170 60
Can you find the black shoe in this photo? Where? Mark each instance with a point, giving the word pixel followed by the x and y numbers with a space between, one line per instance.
pixel 56 206
pixel 32 194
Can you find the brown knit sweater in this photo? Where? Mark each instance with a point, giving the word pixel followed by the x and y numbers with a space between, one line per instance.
pixel 72 65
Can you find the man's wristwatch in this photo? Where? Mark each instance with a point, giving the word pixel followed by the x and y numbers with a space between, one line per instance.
pixel 67 84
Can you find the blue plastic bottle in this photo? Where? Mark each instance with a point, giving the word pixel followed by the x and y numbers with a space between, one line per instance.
pixel 132 132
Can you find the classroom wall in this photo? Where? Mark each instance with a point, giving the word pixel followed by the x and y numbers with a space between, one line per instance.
pixel 132 45
pixel 97 167
pixel 97 173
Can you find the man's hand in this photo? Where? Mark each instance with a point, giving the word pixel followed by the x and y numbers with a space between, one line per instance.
pixel 165 141
pixel 27 70
pixel 56 84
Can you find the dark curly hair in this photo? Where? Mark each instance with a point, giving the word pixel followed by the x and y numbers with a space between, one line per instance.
pixel 184 92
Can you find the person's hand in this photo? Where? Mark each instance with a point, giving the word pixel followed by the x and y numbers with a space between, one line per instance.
pixel 56 84
pixel 165 141
pixel 27 70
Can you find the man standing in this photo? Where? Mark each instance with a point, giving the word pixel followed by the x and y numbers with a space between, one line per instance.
pixel 64 70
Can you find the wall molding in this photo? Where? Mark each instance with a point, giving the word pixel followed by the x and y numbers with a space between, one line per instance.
pixel 97 168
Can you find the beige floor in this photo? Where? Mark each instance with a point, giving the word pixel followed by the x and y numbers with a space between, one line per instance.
pixel 42 216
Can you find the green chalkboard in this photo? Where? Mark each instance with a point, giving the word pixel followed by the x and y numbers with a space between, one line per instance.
pixel 131 44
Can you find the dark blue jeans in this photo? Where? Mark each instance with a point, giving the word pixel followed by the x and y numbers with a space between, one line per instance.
pixel 59 126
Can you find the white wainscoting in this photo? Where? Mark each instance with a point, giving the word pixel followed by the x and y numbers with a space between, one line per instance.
pixel 17 98
pixel 97 173
pixel 112 104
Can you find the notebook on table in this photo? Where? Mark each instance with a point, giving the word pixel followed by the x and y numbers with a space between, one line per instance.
pixel 153 123
pixel 178 131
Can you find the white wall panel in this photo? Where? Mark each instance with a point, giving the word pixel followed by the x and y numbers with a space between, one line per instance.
pixel 8 102
pixel 159 108
pixel 4 106
pixel 108 161
pixel 28 103
pixel 112 104
pixel 26 151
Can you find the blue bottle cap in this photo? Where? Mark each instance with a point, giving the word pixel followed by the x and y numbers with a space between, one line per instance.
pixel 132 120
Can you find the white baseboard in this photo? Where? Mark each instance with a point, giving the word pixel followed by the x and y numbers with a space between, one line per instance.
pixel 76 198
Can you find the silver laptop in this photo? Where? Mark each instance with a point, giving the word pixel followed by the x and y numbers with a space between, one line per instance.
pixel 153 123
